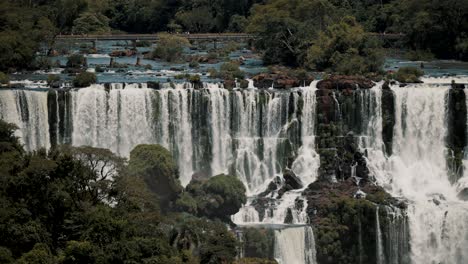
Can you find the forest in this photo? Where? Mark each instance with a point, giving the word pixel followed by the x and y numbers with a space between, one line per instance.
pixel 314 34
pixel 86 205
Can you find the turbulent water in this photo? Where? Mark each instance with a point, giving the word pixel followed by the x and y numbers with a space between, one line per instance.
pixel 417 171
pixel 295 245
pixel 253 134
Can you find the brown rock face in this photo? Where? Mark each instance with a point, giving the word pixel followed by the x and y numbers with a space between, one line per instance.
pixel 343 82
pixel 281 79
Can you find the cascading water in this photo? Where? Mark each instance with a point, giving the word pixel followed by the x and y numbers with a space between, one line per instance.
pixel 28 110
pixel 249 133
pixel 379 242
pixel 417 171
pixel 295 245
pixel 305 165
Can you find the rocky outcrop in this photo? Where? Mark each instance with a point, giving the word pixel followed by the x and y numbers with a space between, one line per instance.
pixel 456 136
pixel 345 226
pixel 281 79
pixel 122 53
pixel 388 117
pixel 343 82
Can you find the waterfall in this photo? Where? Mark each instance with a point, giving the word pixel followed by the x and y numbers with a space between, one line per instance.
pixel 305 165
pixel 295 245
pixel 249 133
pixel 417 171
pixel 379 245
pixel 28 110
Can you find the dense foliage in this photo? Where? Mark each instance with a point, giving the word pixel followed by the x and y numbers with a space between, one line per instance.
pixel 285 29
pixel 86 205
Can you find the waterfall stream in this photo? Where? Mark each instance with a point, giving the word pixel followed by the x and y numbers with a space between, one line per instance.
pixel 295 245
pixel 256 135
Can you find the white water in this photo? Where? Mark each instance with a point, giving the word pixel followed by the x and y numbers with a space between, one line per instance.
pixel 295 245
pixel 305 166
pixel 28 110
pixel 379 244
pixel 417 170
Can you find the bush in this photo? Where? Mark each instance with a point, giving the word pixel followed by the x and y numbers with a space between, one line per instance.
pixel 194 64
pixel 170 48
pixel 158 168
pixel 76 61
pixel 84 79
pixel 228 71
pixel 408 75
pixel 4 79
pixel 194 78
pixel 53 79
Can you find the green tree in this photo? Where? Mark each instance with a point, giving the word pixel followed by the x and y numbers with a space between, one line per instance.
pixel 91 23
pixel 197 20
pixel 158 168
pixel 218 197
pixel 345 48
pixel 170 48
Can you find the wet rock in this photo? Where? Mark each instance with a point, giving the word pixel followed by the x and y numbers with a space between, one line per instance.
pixel 273 186
pixel 281 79
pixel 457 85
pixel 463 194
pixel 292 180
pixel 122 53
pixel 153 85
pixel 289 217
pixel 388 117
pixel 343 82
pixel 203 174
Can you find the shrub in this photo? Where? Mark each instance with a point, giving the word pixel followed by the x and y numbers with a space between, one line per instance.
pixel 194 78
pixel 194 64
pixel 230 70
pixel 408 75
pixel 4 79
pixel 170 48
pixel 53 79
pixel 76 61
pixel 84 79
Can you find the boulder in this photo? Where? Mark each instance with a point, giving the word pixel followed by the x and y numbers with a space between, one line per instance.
pixel 153 85
pixel 463 194
pixel 343 82
pixel 292 180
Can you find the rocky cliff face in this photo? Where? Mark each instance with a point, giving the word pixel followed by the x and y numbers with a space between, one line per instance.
pixel 345 204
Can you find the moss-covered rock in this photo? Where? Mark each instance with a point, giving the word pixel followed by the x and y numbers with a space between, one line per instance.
pixel 345 227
